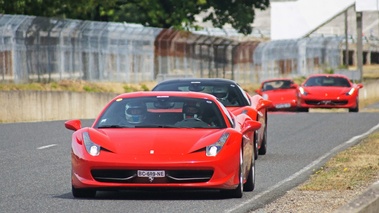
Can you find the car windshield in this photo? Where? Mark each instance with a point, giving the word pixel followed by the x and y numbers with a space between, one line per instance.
pixel 230 95
pixel 274 85
pixel 327 81
pixel 161 112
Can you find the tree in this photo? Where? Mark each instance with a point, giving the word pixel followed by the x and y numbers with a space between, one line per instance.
pixel 74 9
pixel 179 14
pixel 239 13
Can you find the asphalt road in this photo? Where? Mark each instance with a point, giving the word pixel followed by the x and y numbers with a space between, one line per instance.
pixel 35 167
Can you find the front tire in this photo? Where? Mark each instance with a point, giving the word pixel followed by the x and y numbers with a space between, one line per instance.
pixel 250 182
pixel 263 149
pixel 303 109
pixel 255 145
pixel 355 109
pixel 237 192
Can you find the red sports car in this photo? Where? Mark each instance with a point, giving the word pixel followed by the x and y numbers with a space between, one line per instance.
pixel 164 140
pixel 232 96
pixel 282 92
pixel 328 91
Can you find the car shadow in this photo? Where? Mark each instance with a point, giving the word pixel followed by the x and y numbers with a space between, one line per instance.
pixel 160 194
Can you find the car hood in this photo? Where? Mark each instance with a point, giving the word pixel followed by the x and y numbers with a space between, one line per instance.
pixel 139 141
pixel 327 91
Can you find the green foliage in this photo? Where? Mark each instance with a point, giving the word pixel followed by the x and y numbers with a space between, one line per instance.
pixel 74 9
pixel 155 13
pixel 144 87
pixel 343 66
pixel 329 71
pixel 88 88
pixel 128 88
pixel 94 88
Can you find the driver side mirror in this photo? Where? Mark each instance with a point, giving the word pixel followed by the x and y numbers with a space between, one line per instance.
pixel 263 103
pixel 251 125
pixel 258 91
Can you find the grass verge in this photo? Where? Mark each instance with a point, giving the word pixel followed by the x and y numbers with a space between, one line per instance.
pixel 349 169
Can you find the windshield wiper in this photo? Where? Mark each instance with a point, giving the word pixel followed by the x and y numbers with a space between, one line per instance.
pixel 154 126
pixel 113 126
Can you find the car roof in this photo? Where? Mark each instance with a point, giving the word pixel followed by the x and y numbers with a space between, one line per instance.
pixel 202 80
pixel 277 79
pixel 328 75
pixel 167 93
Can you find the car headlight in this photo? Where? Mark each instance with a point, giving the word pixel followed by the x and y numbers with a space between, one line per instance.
pixel 214 149
pixel 265 96
pixel 351 91
pixel 92 148
pixel 302 91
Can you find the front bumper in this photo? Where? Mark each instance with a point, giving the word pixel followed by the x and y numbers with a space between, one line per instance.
pixel 209 173
pixel 330 102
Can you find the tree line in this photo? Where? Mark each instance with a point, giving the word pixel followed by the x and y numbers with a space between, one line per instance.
pixel 177 14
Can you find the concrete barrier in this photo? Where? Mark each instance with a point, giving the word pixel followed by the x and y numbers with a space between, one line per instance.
pixel 30 106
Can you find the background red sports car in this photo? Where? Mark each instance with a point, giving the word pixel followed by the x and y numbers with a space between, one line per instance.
pixel 328 91
pixel 164 140
pixel 232 96
pixel 282 92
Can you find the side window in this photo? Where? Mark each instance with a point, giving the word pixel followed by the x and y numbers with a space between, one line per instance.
pixel 245 97
pixel 231 121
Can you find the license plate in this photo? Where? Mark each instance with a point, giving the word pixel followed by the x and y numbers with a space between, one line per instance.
pixel 147 173
pixel 280 106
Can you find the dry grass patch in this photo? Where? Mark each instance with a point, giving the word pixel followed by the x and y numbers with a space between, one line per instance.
pixel 79 86
pixel 348 170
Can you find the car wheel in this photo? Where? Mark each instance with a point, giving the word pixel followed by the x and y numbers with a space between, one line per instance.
pixel 256 145
pixel 303 109
pixel 355 109
pixel 83 193
pixel 237 192
pixel 250 182
pixel 263 149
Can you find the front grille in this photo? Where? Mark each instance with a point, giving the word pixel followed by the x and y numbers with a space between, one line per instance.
pixel 172 176
pixel 115 176
pixel 326 102
pixel 183 176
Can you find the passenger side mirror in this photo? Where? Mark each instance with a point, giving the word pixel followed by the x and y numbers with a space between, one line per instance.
pixel 73 124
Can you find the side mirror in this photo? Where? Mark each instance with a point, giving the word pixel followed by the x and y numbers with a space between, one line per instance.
pixel 258 91
pixel 73 124
pixel 264 104
pixel 251 125
pixel 359 85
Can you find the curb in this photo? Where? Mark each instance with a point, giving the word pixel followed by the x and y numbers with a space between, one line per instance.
pixel 367 202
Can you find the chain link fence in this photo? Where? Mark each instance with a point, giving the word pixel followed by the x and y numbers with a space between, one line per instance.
pixel 48 49
pixel 45 49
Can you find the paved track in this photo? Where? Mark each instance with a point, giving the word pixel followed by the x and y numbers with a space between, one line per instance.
pixel 35 167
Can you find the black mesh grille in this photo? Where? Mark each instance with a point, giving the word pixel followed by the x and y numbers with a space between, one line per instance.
pixel 172 176
pixel 326 102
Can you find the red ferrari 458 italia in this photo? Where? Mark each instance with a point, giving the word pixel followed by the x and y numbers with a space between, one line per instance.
pixel 232 96
pixel 282 92
pixel 147 140
pixel 328 91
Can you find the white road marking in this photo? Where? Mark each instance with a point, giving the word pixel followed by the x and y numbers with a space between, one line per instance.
pixel 355 138
pixel 47 146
